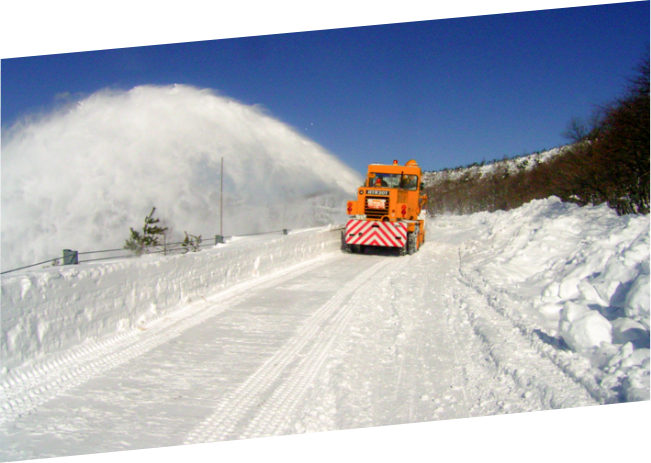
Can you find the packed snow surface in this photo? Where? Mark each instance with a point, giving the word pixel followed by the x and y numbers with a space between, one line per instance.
pixel 542 307
pixel 80 177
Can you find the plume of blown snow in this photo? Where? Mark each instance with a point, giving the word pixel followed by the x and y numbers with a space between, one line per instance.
pixel 79 178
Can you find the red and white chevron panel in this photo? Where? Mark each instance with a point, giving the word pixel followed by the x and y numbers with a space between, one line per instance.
pixel 375 233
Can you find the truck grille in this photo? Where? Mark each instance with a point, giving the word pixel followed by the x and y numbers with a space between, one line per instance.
pixel 375 212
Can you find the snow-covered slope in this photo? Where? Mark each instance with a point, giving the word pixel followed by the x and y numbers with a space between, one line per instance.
pixel 512 166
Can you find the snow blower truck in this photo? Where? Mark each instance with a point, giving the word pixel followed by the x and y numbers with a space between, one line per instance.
pixel 389 211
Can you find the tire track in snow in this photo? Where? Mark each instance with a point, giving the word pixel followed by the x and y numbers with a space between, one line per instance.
pixel 278 409
pixel 417 302
pixel 268 410
pixel 514 355
pixel 499 304
pixel 24 389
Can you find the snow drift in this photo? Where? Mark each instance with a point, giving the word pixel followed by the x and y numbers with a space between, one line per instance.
pixel 577 276
pixel 50 310
pixel 79 177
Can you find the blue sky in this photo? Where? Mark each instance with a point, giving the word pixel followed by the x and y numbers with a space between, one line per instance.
pixel 445 92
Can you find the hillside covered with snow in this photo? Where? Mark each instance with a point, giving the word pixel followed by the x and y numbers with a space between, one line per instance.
pixel 479 170
pixel 500 185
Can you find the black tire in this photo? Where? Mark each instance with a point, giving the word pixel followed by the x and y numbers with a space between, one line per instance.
pixel 412 241
pixel 345 247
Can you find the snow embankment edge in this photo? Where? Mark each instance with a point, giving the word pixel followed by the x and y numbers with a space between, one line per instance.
pixel 50 310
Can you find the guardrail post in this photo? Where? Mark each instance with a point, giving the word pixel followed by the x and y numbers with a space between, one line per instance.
pixel 70 257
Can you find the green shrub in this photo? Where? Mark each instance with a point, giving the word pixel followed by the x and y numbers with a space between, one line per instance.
pixel 151 233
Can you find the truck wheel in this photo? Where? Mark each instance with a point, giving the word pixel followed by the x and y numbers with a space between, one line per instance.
pixel 412 241
pixel 344 246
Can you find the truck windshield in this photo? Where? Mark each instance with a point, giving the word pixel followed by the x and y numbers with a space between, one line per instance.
pixel 404 182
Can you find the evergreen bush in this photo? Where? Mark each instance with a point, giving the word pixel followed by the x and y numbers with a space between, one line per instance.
pixel 141 243
pixel 191 243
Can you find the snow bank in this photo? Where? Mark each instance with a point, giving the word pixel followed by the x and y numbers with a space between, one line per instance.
pixel 583 328
pixel 52 309
pixel 578 274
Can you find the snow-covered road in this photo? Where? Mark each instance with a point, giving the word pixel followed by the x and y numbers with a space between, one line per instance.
pixel 340 341
pixel 426 346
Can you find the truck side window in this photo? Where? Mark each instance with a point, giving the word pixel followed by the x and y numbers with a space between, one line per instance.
pixel 409 182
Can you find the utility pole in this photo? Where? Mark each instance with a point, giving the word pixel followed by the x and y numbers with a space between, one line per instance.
pixel 221 202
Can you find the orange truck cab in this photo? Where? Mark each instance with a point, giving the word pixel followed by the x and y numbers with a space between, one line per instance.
pixel 389 211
